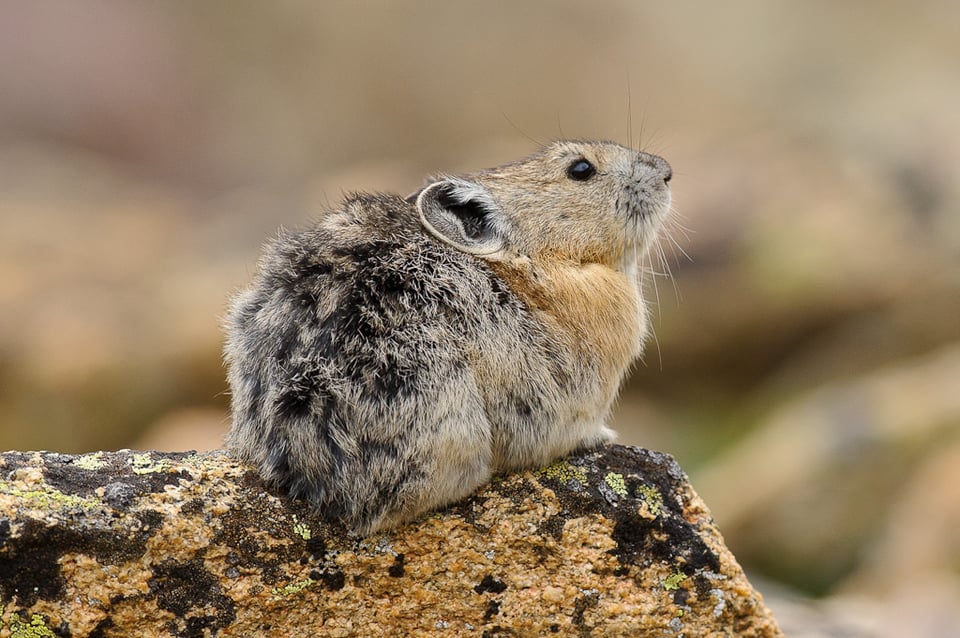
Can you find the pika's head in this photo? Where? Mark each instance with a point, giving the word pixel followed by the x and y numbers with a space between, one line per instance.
pixel 577 202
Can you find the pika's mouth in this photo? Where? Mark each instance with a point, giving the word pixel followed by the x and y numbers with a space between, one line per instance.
pixel 646 208
pixel 646 194
pixel 643 206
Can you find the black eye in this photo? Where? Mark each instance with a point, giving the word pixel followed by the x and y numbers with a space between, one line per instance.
pixel 581 170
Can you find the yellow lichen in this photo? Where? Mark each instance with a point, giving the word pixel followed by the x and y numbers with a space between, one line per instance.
pixel 652 498
pixel 301 529
pixel 616 483
pixel 45 497
pixel 564 472
pixel 36 628
pixel 292 588
pixel 143 464
pixel 90 461
pixel 673 580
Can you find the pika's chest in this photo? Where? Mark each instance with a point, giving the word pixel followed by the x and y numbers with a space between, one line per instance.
pixel 593 311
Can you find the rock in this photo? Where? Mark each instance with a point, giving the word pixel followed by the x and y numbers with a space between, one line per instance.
pixel 608 543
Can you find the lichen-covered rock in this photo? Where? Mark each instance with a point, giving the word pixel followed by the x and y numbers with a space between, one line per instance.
pixel 609 543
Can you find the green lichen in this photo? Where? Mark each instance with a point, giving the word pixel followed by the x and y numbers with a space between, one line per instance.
pixel 90 461
pixel 301 529
pixel 616 483
pixel 565 472
pixel 46 498
pixel 673 581
pixel 36 628
pixel 292 588
pixel 143 464
pixel 653 498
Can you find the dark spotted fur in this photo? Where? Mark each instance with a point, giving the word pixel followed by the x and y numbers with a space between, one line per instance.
pixel 329 397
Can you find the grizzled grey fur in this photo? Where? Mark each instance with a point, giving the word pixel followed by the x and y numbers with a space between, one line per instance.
pixel 391 358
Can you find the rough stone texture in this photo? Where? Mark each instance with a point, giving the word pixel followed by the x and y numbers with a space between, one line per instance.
pixel 609 543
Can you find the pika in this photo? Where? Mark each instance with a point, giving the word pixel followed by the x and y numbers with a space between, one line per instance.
pixel 397 354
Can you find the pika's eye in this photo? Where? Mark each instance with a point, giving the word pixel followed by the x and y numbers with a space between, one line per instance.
pixel 581 170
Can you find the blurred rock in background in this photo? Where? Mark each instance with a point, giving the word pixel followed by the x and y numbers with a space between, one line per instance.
pixel 806 365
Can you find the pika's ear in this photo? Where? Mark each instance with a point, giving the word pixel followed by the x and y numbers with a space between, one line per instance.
pixel 462 214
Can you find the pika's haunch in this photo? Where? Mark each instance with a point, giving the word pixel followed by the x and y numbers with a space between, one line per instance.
pixel 394 356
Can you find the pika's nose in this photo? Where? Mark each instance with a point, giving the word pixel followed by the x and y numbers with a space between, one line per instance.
pixel 659 165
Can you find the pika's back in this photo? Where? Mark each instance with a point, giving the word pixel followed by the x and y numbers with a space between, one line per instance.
pixel 393 356
pixel 364 289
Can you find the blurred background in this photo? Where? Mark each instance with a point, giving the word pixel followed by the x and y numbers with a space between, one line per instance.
pixel 806 365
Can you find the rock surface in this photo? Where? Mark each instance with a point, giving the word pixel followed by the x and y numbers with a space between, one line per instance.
pixel 608 543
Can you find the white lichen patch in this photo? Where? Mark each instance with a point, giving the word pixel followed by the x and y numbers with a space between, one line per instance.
pixel 721 601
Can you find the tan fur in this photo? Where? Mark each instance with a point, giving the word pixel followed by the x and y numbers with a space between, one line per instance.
pixel 594 309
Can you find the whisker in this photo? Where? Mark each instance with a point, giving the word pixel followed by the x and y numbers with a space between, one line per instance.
pixel 674 220
pixel 657 273
pixel 656 287
pixel 673 280
pixel 643 123
pixel 675 246
pixel 520 130
pixel 664 263
pixel 653 331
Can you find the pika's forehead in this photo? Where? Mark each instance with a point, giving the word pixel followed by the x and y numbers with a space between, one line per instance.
pixel 566 149
pixel 557 156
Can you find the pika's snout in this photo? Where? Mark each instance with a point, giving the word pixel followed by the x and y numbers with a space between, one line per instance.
pixel 657 165
pixel 647 188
